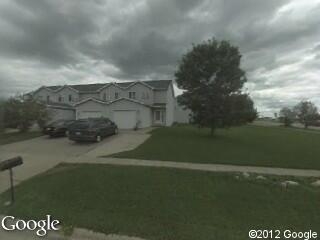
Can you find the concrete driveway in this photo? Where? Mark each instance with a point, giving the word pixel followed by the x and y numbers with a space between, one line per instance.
pixel 42 153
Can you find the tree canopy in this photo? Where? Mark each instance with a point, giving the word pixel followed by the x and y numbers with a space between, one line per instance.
pixel 306 112
pixel 212 79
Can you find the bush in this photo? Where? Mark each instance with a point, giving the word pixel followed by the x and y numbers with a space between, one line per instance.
pixel 22 113
pixel 287 116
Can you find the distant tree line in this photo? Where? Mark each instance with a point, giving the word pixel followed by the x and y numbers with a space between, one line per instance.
pixel 304 112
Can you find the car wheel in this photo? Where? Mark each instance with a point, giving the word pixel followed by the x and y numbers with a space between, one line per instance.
pixel 98 138
pixel 116 131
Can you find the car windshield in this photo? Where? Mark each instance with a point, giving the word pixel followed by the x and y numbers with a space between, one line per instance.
pixel 81 124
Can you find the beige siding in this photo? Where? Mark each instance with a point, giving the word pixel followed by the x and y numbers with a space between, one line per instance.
pixel 65 92
pixel 160 96
pixel 84 96
pixel 170 106
pixel 181 115
pixel 110 93
pixel 43 93
pixel 54 96
pixel 143 93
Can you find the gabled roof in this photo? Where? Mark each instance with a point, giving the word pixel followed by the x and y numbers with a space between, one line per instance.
pixel 90 99
pixel 111 102
pixel 129 100
pixel 154 84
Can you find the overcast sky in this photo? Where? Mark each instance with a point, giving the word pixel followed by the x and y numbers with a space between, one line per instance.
pixel 56 42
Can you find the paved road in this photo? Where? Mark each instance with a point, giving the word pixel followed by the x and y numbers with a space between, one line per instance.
pixel 203 167
pixel 42 153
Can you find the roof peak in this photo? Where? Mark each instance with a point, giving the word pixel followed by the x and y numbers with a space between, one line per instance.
pixel 93 87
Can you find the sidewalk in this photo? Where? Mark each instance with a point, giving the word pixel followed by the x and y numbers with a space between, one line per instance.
pixel 201 167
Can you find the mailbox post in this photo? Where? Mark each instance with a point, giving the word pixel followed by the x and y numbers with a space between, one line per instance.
pixel 8 165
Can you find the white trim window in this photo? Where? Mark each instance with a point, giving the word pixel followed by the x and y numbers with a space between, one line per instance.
pixel 132 95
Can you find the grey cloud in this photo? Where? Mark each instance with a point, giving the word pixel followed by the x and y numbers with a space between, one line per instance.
pixel 45 32
pixel 102 40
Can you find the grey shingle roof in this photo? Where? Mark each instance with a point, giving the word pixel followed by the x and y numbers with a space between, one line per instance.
pixel 156 84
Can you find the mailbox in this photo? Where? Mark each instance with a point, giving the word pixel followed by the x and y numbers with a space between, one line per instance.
pixel 10 163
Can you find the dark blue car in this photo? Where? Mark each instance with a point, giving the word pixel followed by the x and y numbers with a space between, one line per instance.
pixel 57 128
pixel 92 129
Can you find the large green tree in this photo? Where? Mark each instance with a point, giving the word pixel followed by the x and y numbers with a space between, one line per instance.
pixel 211 75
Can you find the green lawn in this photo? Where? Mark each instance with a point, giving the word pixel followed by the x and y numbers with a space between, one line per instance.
pixel 6 138
pixel 247 145
pixel 163 204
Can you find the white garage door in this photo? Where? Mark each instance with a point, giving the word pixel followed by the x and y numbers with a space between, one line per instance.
pixel 125 119
pixel 89 114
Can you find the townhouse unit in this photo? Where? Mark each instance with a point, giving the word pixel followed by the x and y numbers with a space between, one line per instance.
pixel 129 104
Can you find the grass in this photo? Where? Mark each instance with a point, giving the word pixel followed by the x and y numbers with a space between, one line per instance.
pixel 164 204
pixel 247 145
pixel 6 138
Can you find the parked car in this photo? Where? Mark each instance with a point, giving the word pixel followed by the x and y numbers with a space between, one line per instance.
pixel 57 128
pixel 92 129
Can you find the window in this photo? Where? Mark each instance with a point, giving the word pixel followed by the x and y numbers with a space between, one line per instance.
pixel 48 98
pixel 60 99
pixel 70 98
pixel 116 95
pixel 132 95
pixel 104 97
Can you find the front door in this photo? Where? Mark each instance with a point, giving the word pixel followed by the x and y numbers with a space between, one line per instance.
pixel 158 117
